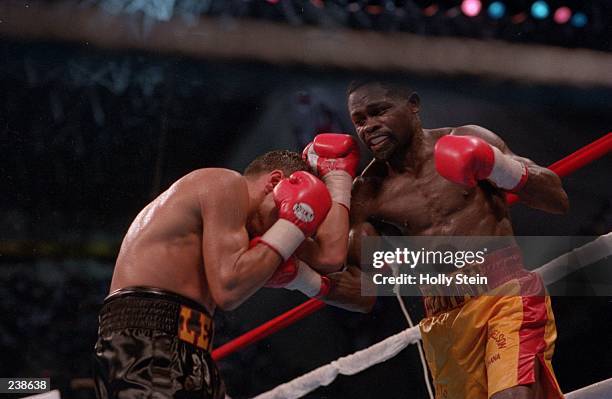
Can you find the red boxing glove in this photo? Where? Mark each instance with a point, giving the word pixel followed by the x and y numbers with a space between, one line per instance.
pixel 332 152
pixel 303 202
pixel 335 158
pixel 467 159
pixel 297 275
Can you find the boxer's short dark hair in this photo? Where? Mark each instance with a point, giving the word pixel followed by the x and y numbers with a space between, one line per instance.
pixel 287 161
pixel 396 89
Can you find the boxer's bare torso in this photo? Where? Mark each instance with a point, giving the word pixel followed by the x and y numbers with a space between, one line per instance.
pixel 163 246
pixel 402 193
pixel 421 202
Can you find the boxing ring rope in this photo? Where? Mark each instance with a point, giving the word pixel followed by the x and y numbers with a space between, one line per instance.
pixel 551 272
pixel 268 328
pixel 563 167
pixel 576 160
pixel 599 390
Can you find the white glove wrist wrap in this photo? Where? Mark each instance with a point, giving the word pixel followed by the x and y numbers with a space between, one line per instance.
pixel 339 183
pixel 284 237
pixel 507 173
pixel 306 281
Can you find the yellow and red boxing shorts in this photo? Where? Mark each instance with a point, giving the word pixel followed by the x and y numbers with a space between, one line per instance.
pixel 477 346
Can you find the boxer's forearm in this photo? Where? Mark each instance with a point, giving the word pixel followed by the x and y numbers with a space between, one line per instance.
pixel 334 158
pixel 543 190
pixel 348 293
pixel 347 290
pixel 326 252
pixel 238 279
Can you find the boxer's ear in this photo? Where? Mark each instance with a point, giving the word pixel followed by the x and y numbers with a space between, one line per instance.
pixel 414 102
pixel 274 178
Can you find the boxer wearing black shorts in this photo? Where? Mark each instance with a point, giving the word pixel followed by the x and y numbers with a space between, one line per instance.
pixel 168 334
pixel 211 240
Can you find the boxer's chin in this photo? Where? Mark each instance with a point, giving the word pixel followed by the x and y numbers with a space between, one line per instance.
pixel 384 153
pixel 255 226
pixel 251 230
pixel 260 222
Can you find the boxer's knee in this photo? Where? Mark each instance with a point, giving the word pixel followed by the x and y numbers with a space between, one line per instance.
pixel 531 391
pixel 518 392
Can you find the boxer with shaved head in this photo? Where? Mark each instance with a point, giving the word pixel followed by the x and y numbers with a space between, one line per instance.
pixel 452 182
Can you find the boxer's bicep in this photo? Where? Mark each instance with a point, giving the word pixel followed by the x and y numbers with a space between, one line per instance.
pixel 543 189
pixel 482 133
pixel 356 236
pixel 224 238
pixel 361 210
pixel 233 270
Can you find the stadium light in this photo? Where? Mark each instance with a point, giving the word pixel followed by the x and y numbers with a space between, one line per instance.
pixel 579 20
pixel 497 9
pixel 540 10
pixel 471 8
pixel 562 15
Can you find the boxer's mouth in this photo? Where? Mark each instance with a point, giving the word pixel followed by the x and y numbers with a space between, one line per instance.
pixel 377 141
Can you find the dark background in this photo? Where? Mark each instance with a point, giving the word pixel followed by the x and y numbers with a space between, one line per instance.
pixel 90 136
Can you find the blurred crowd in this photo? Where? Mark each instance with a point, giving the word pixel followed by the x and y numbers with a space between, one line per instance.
pixel 49 318
pixel 93 136
pixel 423 17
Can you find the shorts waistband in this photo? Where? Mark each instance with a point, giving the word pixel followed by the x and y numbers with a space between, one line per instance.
pixel 156 309
pixel 499 267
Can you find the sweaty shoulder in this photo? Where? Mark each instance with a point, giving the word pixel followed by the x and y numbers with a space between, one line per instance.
pixel 480 132
pixel 370 178
pixel 374 169
pixel 217 183
pixel 365 188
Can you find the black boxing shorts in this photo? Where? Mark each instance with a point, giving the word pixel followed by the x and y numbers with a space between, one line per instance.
pixel 154 344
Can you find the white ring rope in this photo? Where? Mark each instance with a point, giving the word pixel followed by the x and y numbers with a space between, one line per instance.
pixel 599 390
pixel 551 272
pixel 347 365
pixel 396 290
pixel 576 259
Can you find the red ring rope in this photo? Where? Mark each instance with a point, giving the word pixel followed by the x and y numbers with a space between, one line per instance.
pixel 268 328
pixel 576 160
pixel 563 167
